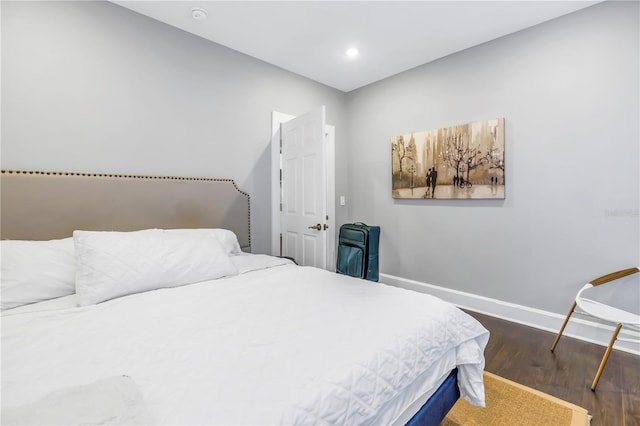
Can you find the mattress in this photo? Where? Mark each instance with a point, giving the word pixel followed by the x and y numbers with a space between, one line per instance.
pixel 275 344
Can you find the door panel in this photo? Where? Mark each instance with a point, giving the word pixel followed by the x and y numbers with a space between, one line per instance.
pixel 310 249
pixel 311 186
pixel 290 173
pixel 304 188
pixel 291 242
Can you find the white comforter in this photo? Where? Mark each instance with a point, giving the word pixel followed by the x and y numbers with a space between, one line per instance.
pixel 282 345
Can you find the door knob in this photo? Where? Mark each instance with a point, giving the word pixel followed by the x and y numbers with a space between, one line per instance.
pixel 317 227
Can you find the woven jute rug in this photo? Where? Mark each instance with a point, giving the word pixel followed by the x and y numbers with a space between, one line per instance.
pixel 509 403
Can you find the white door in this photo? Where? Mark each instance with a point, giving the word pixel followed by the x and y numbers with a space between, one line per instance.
pixel 304 189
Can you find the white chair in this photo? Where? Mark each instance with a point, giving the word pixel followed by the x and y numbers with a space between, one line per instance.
pixel 603 312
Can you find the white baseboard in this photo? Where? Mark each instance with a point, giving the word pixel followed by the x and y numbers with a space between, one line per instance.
pixel 579 327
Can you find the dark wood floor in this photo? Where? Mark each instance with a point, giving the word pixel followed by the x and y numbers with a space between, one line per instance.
pixel 522 354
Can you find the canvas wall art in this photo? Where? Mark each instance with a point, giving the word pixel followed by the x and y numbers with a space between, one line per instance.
pixel 458 162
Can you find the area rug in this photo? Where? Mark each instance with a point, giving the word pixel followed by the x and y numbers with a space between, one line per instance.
pixel 510 403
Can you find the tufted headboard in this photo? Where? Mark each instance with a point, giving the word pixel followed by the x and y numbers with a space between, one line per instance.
pixel 50 205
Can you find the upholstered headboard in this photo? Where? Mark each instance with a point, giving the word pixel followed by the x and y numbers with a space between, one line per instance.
pixel 49 205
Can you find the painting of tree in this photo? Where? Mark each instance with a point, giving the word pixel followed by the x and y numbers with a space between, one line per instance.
pixel 459 162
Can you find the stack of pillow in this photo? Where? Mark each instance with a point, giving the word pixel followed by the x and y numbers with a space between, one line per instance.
pixel 98 265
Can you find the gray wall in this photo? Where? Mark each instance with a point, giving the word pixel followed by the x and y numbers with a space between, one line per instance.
pixel 94 87
pixel 569 91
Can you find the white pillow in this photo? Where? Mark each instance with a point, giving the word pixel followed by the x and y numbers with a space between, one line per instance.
pixel 33 271
pixel 114 264
pixel 227 238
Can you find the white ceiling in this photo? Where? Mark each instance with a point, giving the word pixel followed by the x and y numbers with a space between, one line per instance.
pixel 310 37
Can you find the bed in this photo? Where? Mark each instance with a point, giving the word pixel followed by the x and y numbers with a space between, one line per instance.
pixel 135 300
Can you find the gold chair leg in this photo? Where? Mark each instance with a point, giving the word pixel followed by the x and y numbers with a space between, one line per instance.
pixel 605 358
pixel 573 308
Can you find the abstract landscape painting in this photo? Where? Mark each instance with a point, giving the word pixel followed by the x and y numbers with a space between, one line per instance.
pixel 463 162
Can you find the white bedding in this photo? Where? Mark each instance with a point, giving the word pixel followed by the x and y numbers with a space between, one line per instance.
pixel 111 401
pixel 282 344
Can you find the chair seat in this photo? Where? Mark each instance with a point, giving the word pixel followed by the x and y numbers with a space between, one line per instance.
pixel 608 313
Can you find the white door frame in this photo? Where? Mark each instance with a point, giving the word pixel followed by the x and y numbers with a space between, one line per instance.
pixel 276 218
pixel 331 197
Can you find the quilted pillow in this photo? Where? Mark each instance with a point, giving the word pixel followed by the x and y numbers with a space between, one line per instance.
pixel 33 271
pixel 228 240
pixel 115 264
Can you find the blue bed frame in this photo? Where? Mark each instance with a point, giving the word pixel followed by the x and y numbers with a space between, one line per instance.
pixel 439 404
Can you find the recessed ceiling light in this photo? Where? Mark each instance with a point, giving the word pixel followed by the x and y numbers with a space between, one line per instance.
pixel 352 52
pixel 198 13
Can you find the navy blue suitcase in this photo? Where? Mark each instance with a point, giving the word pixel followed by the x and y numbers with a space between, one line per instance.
pixel 358 251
